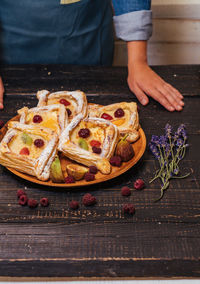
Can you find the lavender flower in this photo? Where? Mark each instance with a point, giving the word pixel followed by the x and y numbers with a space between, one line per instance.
pixel 168 130
pixel 163 141
pixel 154 150
pixel 155 139
pixel 179 142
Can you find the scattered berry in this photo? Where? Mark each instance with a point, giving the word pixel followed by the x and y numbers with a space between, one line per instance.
pixel 64 102
pixel 68 111
pixel 32 203
pixel 93 170
pixel 106 116
pixel 89 176
pixel 24 151
pixel 116 161
pixel 129 209
pixel 74 204
pixel 139 184
pixel 96 150
pixel 20 192
pixel 37 118
pixel 1 123
pixel 44 201
pixel 39 143
pixel 69 179
pixel 125 191
pixel 23 199
pixel 95 143
pixel 88 199
pixel 119 112
pixel 84 132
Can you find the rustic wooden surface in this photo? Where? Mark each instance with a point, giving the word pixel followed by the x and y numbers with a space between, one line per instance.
pixel 161 240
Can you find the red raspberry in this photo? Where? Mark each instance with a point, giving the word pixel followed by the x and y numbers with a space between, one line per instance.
pixel 129 209
pixel 125 191
pixel 139 184
pixel 106 116
pixel 68 111
pixel 88 199
pixel 116 161
pixel 89 177
pixel 119 112
pixel 44 201
pixel 1 123
pixel 64 102
pixel 96 150
pixel 93 170
pixel 23 200
pixel 84 132
pixel 95 143
pixel 37 118
pixel 74 204
pixel 32 203
pixel 69 179
pixel 39 143
pixel 20 192
pixel 24 151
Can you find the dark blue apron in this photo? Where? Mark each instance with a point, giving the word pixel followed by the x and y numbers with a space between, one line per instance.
pixel 45 31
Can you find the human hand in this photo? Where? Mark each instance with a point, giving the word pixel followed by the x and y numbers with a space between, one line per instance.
pixel 144 82
pixel 1 93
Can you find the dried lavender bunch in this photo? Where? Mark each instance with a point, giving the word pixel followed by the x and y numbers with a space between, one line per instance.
pixel 169 150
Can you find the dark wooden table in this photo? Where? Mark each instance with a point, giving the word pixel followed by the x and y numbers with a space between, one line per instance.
pixel 161 240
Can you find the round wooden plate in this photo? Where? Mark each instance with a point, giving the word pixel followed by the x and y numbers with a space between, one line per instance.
pixel 139 147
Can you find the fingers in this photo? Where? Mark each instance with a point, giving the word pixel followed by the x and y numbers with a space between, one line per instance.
pixel 173 97
pixel 142 98
pixel 158 96
pixel 1 93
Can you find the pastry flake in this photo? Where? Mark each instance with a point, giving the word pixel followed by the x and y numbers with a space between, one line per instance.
pixel 124 115
pixel 29 149
pixel 90 141
pixel 54 117
pixel 75 102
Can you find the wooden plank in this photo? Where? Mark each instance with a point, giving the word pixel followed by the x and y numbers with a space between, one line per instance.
pixel 161 240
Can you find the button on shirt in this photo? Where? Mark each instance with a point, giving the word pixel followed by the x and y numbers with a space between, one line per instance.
pixel 132 19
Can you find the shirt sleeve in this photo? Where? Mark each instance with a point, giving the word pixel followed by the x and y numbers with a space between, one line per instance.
pixel 132 19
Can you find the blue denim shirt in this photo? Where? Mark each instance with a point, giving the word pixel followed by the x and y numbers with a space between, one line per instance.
pixel 132 19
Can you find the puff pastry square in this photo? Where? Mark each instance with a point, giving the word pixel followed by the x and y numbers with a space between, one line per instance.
pixel 126 120
pixel 101 132
pixel 75 102
pixel 18 149
pixel 54 117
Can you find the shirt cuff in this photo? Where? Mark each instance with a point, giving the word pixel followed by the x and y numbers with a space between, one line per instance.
pixel 133 26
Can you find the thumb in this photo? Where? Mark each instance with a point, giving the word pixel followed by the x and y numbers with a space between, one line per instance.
pixel 142 98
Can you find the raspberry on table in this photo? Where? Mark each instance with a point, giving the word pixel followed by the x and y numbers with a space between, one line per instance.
pixel 69 179
pixel 23 199
pixel 93 170
pixel 116 161
pixel 44 201
pixel 1 123
pixel 88 199
pixel 20 192
pixel 96 150
pixel 139 184
pixel 128 208
pixel 32 203
pixel 125 191
pixel 74 204
pixel 37 118
pixel 89 176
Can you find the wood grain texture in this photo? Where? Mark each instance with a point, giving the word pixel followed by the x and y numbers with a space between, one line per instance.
pixel 161 240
